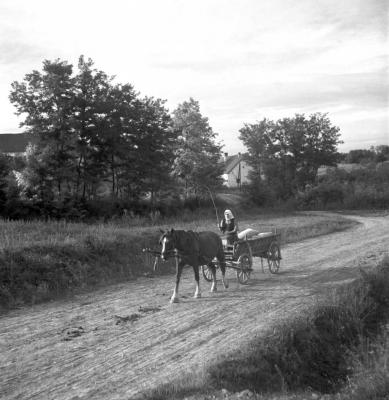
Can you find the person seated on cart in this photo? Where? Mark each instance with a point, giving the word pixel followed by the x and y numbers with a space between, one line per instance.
pixel 229 227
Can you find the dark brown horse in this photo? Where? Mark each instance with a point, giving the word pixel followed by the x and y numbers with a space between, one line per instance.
pixel 194 249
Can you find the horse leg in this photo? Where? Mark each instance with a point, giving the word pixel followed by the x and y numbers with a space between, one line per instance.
pixel 222 264
pixel 225 283
pixel 179 267
pixel 197 278
pixel 212 267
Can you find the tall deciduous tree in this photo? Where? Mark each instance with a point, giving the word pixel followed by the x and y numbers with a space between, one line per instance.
pixel 91 133
pixel 197 161
pixel 291 150
pixel 256 137
pixel 154 144
pixel 47 100
pixel 91 92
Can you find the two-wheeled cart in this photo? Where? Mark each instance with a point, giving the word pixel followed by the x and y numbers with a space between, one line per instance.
pixel 239 256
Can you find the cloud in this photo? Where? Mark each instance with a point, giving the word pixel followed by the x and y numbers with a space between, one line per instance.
pixel 361 17
pixel 15 48
pixel 16 52
pixel 366 90
pixel 242 59
pixel 317 91
pixel 264 59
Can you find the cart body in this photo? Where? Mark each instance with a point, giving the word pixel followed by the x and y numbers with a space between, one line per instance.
pixel 239 256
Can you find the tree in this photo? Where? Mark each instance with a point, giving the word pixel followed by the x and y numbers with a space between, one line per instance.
pixel 91 135
pixel 290 150
pixel 197 156
pixel 154 142
pixel 256 138
pixel 35 177
pixel 360 156
pixel 91 92
pixel 124 140
pixel 382 153
pixel 47 100
pixel 366 156
pixel 310 142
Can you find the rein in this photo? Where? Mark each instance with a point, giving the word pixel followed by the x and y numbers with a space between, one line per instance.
pixel 158 254
pixel 170 253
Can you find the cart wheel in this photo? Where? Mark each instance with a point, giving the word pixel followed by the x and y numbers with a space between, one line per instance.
pixel 207 273
pixel 273 258
pixel 244 271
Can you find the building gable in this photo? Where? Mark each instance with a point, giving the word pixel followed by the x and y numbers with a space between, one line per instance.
pixel 236 170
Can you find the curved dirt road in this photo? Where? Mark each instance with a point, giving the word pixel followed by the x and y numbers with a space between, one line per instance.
pixel 78 350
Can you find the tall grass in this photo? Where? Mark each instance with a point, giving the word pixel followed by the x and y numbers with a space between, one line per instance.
pixel 40 261
pixel 45 260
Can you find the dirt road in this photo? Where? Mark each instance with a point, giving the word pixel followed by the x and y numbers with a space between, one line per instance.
pixel 78 349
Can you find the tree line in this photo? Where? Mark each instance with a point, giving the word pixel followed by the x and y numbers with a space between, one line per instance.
pixel 286 155
pixel 376 154
pixel 93 139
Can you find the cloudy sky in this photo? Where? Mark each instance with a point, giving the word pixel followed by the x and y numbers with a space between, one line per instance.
pixel 243 60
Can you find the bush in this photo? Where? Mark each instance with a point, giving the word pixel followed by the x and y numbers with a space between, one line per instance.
pixel 325 195
pixel 367 187
pixel 261 195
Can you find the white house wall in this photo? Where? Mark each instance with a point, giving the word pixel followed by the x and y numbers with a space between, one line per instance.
pixel 233 175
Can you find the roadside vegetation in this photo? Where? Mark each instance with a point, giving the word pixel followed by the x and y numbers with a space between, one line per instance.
pixel 41 260
pixel 337 349
pixel 365 187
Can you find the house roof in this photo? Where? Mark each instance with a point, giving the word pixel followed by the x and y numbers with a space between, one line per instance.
pixel 13 142
pixel 232 161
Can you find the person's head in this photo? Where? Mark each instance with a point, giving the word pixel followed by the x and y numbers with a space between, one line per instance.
pixel 228 215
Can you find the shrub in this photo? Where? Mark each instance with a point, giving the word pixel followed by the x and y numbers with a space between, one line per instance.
pixel 324 195
pixel 261 195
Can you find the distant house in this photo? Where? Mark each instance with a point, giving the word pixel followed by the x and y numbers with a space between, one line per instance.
pixel 236 170
pixel 14 144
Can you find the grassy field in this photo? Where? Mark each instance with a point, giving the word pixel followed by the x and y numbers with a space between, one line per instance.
pixel 340 346
pixel 40 261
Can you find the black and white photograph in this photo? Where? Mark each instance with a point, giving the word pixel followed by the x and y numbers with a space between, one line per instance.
pixel 194 200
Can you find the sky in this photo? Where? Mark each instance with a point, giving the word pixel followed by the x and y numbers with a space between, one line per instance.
pixel 243 60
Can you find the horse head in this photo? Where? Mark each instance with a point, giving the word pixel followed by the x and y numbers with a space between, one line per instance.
pixel 168 243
